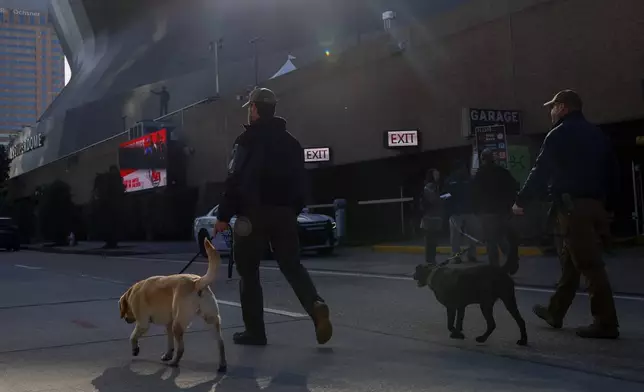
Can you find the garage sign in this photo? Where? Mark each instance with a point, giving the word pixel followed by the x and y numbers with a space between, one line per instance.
pixel 474 118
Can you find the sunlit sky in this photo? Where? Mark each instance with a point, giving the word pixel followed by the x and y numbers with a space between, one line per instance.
pixel 68 72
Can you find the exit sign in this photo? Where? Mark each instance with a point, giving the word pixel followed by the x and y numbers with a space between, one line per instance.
pixel 321 154
pixel 409 138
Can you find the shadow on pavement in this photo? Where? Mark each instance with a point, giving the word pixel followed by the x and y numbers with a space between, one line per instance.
pixel 237 379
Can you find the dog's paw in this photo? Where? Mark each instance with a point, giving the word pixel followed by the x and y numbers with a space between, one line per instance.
pixel 457 335
pixel 522 342
pixel 481 339
pixel 222 369
pixel 135 351
pixel 167 356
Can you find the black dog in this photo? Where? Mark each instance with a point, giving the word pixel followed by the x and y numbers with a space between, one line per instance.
pixel 456 288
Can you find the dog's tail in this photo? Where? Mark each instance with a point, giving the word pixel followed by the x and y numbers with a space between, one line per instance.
pixel 214 261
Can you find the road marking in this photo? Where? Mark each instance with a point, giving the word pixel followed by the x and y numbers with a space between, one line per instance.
pixel 27 267
pixel 102 279
pixel 268 310
pixel 312 271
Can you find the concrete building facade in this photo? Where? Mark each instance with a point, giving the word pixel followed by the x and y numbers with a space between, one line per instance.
pixel 498 55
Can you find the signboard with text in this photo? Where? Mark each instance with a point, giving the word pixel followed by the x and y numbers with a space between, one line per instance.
pixel 493 138
pixel 476 118
pixel 402 139
pixel 29 143
pixel 321 154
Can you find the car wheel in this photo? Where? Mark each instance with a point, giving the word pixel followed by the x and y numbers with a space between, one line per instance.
pixel 203 234
pixel 326 251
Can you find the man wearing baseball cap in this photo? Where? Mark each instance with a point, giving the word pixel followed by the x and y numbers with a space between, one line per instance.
pixel 578 162
pixel 265 189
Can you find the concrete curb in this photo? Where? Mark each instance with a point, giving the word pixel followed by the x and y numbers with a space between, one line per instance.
pixel 446 250
pixel 93 252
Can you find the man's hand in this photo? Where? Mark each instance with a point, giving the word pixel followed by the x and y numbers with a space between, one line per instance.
pixel 220 226
pixel 516 210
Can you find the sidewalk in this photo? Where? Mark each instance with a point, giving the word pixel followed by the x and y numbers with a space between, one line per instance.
pixel 124 248
pixel 625 267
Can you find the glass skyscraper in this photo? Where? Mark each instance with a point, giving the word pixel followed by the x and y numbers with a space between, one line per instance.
pixel 32 68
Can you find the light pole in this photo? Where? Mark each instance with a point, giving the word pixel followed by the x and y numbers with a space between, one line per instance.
pixel 214 47
pixel 254 43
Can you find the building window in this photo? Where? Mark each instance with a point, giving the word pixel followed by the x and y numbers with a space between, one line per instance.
pixel 19 46
pixel 18 38
pixel 18 110
pixel 17 119
pixel 15 95
pixel 10 78
pixel 16 54
pixel 17 30
pixel 17 71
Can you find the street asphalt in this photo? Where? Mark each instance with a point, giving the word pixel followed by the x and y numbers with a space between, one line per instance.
pixel 61 332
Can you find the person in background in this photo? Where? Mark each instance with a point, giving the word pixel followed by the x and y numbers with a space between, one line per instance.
pixel 430 206
pixel 459 211
pixel 265 188
pixel 578 162
pixel 164 100
pixel 493 192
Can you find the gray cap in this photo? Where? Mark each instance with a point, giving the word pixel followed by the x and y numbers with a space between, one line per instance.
pixel 263 95
pixel 569 98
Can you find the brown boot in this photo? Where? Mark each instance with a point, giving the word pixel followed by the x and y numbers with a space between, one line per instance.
pixel 542 312
pixel 323 327
pixel 596 331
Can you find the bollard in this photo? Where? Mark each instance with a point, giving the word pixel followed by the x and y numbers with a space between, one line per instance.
pixel 340 208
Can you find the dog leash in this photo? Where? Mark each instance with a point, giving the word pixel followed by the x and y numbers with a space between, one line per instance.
pixel 231 259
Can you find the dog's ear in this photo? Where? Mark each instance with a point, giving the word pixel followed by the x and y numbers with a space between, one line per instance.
pixel 123 305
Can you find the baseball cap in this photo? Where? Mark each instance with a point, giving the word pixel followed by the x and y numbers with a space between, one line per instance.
pixel 261 95
pixel 567 97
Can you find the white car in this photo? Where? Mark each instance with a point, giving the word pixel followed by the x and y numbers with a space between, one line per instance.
pixel 317 232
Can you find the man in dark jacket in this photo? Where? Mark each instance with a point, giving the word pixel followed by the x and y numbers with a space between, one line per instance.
pixel 493 192
pixel 459 211
pixel 578 161
pixel 265 188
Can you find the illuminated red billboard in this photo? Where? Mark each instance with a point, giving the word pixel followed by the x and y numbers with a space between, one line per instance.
pixel 144 161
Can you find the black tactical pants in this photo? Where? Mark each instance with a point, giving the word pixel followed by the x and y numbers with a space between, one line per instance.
pixel 277 225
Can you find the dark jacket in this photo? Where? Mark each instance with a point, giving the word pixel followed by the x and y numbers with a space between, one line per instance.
pixel 575 158
pixel 266 169
pixel 430 201
pixel 493 190
pixel 458 186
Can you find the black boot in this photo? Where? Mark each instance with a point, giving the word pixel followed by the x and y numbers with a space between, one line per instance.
pixel 246 338
pixel 323 327
pixel 542 312
pixel 596 331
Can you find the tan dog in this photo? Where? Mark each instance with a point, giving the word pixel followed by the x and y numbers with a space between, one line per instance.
pixel 173 301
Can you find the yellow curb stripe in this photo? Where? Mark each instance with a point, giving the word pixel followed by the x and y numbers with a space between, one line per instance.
pixel 446 250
